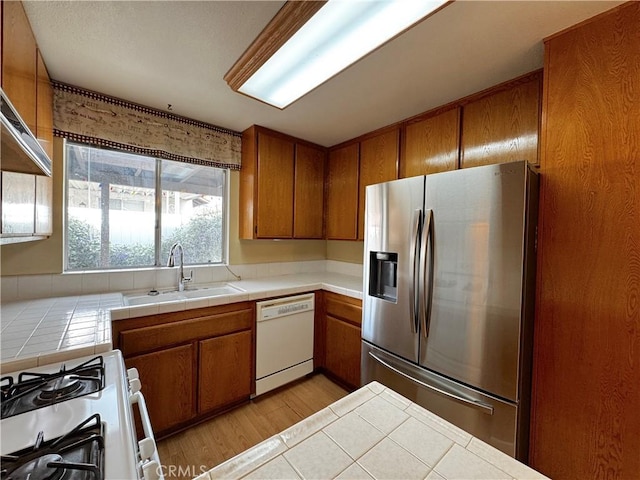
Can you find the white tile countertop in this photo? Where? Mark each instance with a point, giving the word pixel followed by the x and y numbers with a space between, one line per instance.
pixel 46 330
pixel 373 433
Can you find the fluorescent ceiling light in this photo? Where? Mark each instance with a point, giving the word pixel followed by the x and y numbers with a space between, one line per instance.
pixel 339 34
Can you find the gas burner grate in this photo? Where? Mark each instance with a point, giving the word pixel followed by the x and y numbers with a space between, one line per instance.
pixel 37 390
pixel 77 455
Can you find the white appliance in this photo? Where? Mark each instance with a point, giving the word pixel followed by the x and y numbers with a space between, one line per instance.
pixel 122 457
pixel 284 341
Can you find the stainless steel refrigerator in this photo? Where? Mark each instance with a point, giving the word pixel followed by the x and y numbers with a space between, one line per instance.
pixel 449 271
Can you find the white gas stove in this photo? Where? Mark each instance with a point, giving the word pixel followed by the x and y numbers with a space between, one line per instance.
pixel 91 397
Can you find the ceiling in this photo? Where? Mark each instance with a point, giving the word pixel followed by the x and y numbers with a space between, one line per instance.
pixel 177 52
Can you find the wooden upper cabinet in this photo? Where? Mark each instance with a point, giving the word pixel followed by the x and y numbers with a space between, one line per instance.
pixel 342 193
pixel 378 163
pixel 281 186
pixel 44 107
pixel 431 145
pixel 19 61
pixel 308 211
pixel 274 215
pixel 503 126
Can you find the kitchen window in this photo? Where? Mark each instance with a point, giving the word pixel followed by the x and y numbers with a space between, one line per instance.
pixel 125 210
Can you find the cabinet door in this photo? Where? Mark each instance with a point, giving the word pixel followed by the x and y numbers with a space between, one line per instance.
pixel 44 108
pixel 308 211
pixel 44 214
pixel 342 193
pixel 225 370
pixel 19 61
pixel 378 163
pixel 18 203
pixel 343 351
pixel 168 380
pixel 431 145
pixel 502 127
pixel 275 187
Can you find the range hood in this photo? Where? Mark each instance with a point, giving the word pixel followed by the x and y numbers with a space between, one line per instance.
pixel 20 151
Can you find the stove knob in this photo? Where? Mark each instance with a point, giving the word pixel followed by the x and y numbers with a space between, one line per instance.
pixel 132 373
pixel 135 385
pixel 151 471
pixel 147 447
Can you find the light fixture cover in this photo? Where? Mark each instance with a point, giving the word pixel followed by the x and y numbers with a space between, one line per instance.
pixel 339 34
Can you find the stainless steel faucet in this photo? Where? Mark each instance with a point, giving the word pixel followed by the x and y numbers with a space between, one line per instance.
pixel 171 263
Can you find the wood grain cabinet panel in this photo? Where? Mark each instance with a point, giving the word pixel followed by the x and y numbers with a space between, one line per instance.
pixel 502 127
pixel 192 363
pixel 167 379
pixel 343 351
pixel 586 382
pixel 148 338
pixel 431 145
pixel 281 186
pixel 378 163
pixel 342 336
pixel 274 216
pixel 19 61
pixel 308 211
pixel 342 193
pixel 225 370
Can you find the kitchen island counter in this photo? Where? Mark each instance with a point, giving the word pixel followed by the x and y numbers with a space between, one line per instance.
pixel 372 433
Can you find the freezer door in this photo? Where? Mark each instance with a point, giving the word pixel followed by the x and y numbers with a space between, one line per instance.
pixel 393 217
pixel 477 270
pixel 491 420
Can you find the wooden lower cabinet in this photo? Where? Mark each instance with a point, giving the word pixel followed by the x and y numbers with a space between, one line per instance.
pixel 192 364
pixel 224 364
pixel 167 377
pixel 343 351
pixel 341 320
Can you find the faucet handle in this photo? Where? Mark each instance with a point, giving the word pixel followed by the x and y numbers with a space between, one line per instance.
pixel 189 278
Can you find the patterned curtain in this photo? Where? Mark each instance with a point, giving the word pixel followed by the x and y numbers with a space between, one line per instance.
pixel 89 117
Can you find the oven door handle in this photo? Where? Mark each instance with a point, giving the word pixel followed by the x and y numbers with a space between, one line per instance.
pixel 138 399
pixel 150 460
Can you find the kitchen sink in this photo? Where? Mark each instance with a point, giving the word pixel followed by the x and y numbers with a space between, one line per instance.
pixel 174 295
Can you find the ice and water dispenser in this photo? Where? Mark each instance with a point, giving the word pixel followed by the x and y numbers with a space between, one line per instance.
pixel 383 275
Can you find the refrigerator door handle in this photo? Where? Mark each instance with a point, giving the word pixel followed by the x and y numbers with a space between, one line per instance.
pixel 427 272
pixel 413 260
pixel 476 404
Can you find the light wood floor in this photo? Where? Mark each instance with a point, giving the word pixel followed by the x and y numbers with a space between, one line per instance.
pixel 213 442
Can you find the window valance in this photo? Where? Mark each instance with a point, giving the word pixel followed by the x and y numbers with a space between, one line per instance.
pixel 88 117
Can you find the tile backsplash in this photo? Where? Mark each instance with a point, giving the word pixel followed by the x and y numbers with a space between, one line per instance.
pixel 23 287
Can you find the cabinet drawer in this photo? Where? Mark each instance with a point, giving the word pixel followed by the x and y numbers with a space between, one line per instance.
pixel 150 338
pixel 344 308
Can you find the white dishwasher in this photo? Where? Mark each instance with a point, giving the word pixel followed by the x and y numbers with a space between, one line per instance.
pixel 284 341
